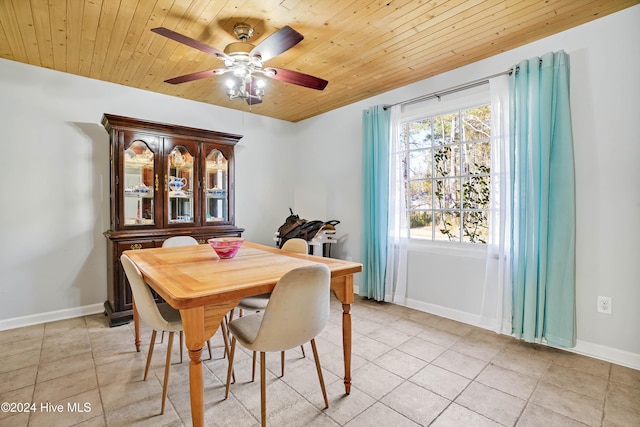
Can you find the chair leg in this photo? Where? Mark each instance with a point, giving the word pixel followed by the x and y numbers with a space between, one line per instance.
pixel 167 367
pixel 282 362
pixel 151 344
pixel 263 388
pixel 302 349
pixel 231 352
pixel 253 368
pixel 162 337
pixel 209 347
pixel 182 345
pixel 225 337
pixel 319 369
pixel 225 327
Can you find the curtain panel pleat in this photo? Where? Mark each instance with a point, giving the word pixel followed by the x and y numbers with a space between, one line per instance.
pixel 398 232
pixel 375 181
pixel 543 202
pixel 496 302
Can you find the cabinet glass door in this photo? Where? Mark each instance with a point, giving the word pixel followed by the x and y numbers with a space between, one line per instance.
pixel 138 184
pixel 216 197
pixel 180 185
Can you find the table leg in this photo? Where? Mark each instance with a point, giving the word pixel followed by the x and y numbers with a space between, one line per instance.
pixel 193 326
pixel 136 324
pixel 199 324
pixel 346 345
pixel 342 287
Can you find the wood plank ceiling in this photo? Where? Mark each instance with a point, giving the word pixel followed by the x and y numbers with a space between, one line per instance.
pixel 362 47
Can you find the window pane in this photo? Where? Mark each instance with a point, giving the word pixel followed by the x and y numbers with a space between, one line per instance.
pixel 403 136
pixel 420 224
pixel 445 129
pixel 139 184
pixel 446 161
pixel 476 227
pixel 180 188
pixel 447 175
pixel 476 158
pixel 476 123
pixel 447 226
pixel 420 164
pixel 447 193
pixel 418 134
pixel 215 176
pixel 420 194
pixel 475 192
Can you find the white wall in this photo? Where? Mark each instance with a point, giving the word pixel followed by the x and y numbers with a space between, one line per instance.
pixel 55 166
pixel 605 93
pixel 54 210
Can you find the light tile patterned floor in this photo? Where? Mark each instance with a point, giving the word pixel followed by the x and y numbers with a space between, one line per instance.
pixel 409 368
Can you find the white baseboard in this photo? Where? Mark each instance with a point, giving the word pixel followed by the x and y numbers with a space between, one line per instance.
pixel 51 316
pixel 449 313
pixel 597 351
pixel 608 354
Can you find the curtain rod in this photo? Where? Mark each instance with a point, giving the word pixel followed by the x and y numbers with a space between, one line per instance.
pixel 449 91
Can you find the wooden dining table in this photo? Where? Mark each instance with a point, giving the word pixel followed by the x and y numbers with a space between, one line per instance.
pixel 194 280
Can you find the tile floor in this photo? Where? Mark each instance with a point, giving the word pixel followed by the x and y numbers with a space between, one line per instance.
pixel 409 368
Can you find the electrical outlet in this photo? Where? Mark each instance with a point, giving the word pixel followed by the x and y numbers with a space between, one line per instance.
pixel 604 305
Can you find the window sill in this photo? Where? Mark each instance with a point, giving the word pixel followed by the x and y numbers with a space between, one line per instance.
pixel 467 250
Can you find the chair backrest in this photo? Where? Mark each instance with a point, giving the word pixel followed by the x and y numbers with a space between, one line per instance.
pixel 179 241
pixel 298 309
pixel 296 245
pixel 145 304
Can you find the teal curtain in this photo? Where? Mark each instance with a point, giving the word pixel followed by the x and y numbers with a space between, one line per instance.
pixel 543 189
pixel 375 180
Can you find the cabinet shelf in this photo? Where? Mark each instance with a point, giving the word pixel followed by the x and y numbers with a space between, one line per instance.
pixel 139 195
pixel 180 196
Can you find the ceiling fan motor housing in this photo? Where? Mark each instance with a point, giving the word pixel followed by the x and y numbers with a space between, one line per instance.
pixel 238 48
pixel 243 31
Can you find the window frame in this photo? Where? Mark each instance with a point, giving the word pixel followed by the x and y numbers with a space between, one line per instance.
pixel 428 110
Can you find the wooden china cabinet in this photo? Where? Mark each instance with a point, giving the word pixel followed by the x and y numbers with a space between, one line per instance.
pixel 166 180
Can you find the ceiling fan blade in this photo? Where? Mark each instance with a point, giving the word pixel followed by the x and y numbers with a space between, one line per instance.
pixel 180 38
pixel 192 77
pixel 297 78
pixel 280 41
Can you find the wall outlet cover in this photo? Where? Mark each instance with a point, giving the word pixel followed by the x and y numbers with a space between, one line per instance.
pixel 604 305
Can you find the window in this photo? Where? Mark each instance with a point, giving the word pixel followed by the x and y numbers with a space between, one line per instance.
pixel 447 160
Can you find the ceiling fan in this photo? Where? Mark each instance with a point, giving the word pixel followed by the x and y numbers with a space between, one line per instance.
pixel 242 61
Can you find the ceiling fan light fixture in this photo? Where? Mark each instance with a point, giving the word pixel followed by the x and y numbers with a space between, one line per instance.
pixel 232 90
pixel 241 72
pixel 246 88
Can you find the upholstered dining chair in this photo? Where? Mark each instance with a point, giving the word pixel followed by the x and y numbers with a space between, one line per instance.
pixel 259 302
pixel 179 241
pixel 159 317
pixel 296 245
pixel 297 312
